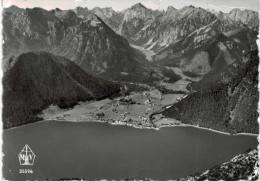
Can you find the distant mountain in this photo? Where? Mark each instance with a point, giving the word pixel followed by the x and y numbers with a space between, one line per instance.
pixel 98 49
pixel 172 25
pixel 171 14
pixel 135 19
pixel 211 41
pixel 112 18
pixel 155 30
pixel 30 29
pixel 89 42
pixel 12 9
pixel 225 101
pixel 207 48
pixel 37 80
pixel 248 17
pixel 82 12
pixel 227 23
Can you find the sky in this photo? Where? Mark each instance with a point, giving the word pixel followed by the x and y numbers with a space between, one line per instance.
pixel 219 5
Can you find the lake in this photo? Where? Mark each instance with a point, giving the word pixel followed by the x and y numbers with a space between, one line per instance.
pixel 97 151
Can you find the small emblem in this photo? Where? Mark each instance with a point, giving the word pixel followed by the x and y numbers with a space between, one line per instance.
pixel 26 156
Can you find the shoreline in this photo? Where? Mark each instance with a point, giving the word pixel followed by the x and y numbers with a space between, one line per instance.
pixel 217 131
pixel 141 127
pixel 179 125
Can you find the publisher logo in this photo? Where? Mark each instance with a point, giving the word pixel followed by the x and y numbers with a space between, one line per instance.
pixel 26 156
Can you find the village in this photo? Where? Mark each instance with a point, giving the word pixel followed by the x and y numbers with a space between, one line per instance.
pixel 138 109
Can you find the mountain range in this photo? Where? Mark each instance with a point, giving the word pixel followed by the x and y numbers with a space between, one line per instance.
pixel 103 41
pixel 157 29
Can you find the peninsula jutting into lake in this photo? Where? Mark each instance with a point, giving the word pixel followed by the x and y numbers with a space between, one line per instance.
pixel 133 91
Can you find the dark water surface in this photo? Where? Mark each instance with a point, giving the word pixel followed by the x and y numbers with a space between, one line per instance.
pixel 95 150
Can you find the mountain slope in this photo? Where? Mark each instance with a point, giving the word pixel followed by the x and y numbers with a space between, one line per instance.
pixel 247 17
pixel 173 25
pixel 135 19
pixel 241 167
pixel 156 31
pixel 97 49
pixel 38 80
pixel 204 49
pixel 27 30
pixel 229 104
pixel 112 18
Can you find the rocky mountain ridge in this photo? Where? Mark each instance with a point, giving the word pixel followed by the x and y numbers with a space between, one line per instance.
pixel 207 48
pixel 167 27
pixel 112 18
pixel 248 17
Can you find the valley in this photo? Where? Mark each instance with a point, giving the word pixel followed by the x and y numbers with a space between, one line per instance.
pixel 135 108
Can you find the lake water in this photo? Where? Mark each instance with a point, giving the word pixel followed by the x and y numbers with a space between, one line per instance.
pixel 96 150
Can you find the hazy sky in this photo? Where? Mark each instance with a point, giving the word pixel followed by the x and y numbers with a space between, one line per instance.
pixel 223 5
